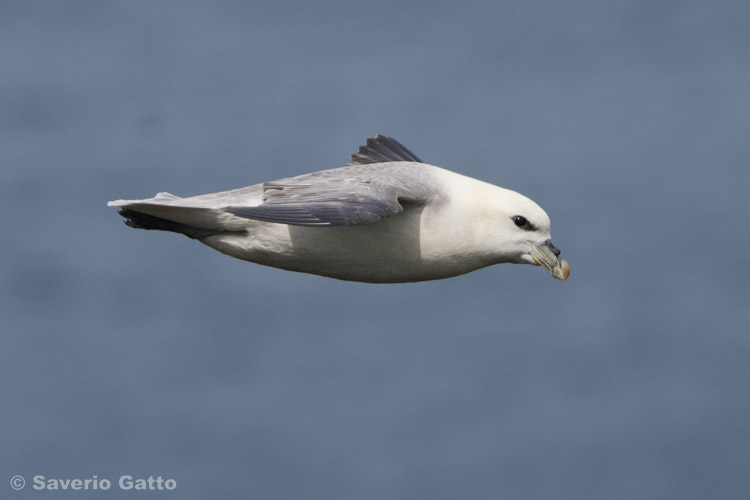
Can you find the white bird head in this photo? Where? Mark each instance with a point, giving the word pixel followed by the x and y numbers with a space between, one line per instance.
pixel 518 231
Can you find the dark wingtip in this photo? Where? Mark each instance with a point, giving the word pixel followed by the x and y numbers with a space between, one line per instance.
pixel 138 220
pixel 381 149
pixel 132 219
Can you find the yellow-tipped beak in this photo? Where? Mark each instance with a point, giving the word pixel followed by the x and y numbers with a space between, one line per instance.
pixel 544 255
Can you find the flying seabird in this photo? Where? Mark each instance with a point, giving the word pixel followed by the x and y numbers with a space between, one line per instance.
pixel 385 217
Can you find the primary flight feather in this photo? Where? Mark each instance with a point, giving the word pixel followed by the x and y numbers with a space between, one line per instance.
pixel 385 217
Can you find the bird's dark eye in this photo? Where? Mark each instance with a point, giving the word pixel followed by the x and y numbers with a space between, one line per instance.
pixel 522 222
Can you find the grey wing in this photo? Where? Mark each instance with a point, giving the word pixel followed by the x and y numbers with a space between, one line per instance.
pixel 339 197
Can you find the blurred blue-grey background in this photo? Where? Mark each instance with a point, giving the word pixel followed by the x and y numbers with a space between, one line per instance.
pixel 144 353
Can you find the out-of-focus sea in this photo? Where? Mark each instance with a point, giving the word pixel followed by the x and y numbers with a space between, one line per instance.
pixel 140 353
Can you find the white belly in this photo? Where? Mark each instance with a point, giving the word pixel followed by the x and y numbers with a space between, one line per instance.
pixel 392 250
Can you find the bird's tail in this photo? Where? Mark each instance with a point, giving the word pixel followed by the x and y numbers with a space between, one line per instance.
pixel 165 213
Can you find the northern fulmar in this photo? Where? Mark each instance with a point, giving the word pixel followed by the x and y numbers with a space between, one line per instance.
pixel 385 217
